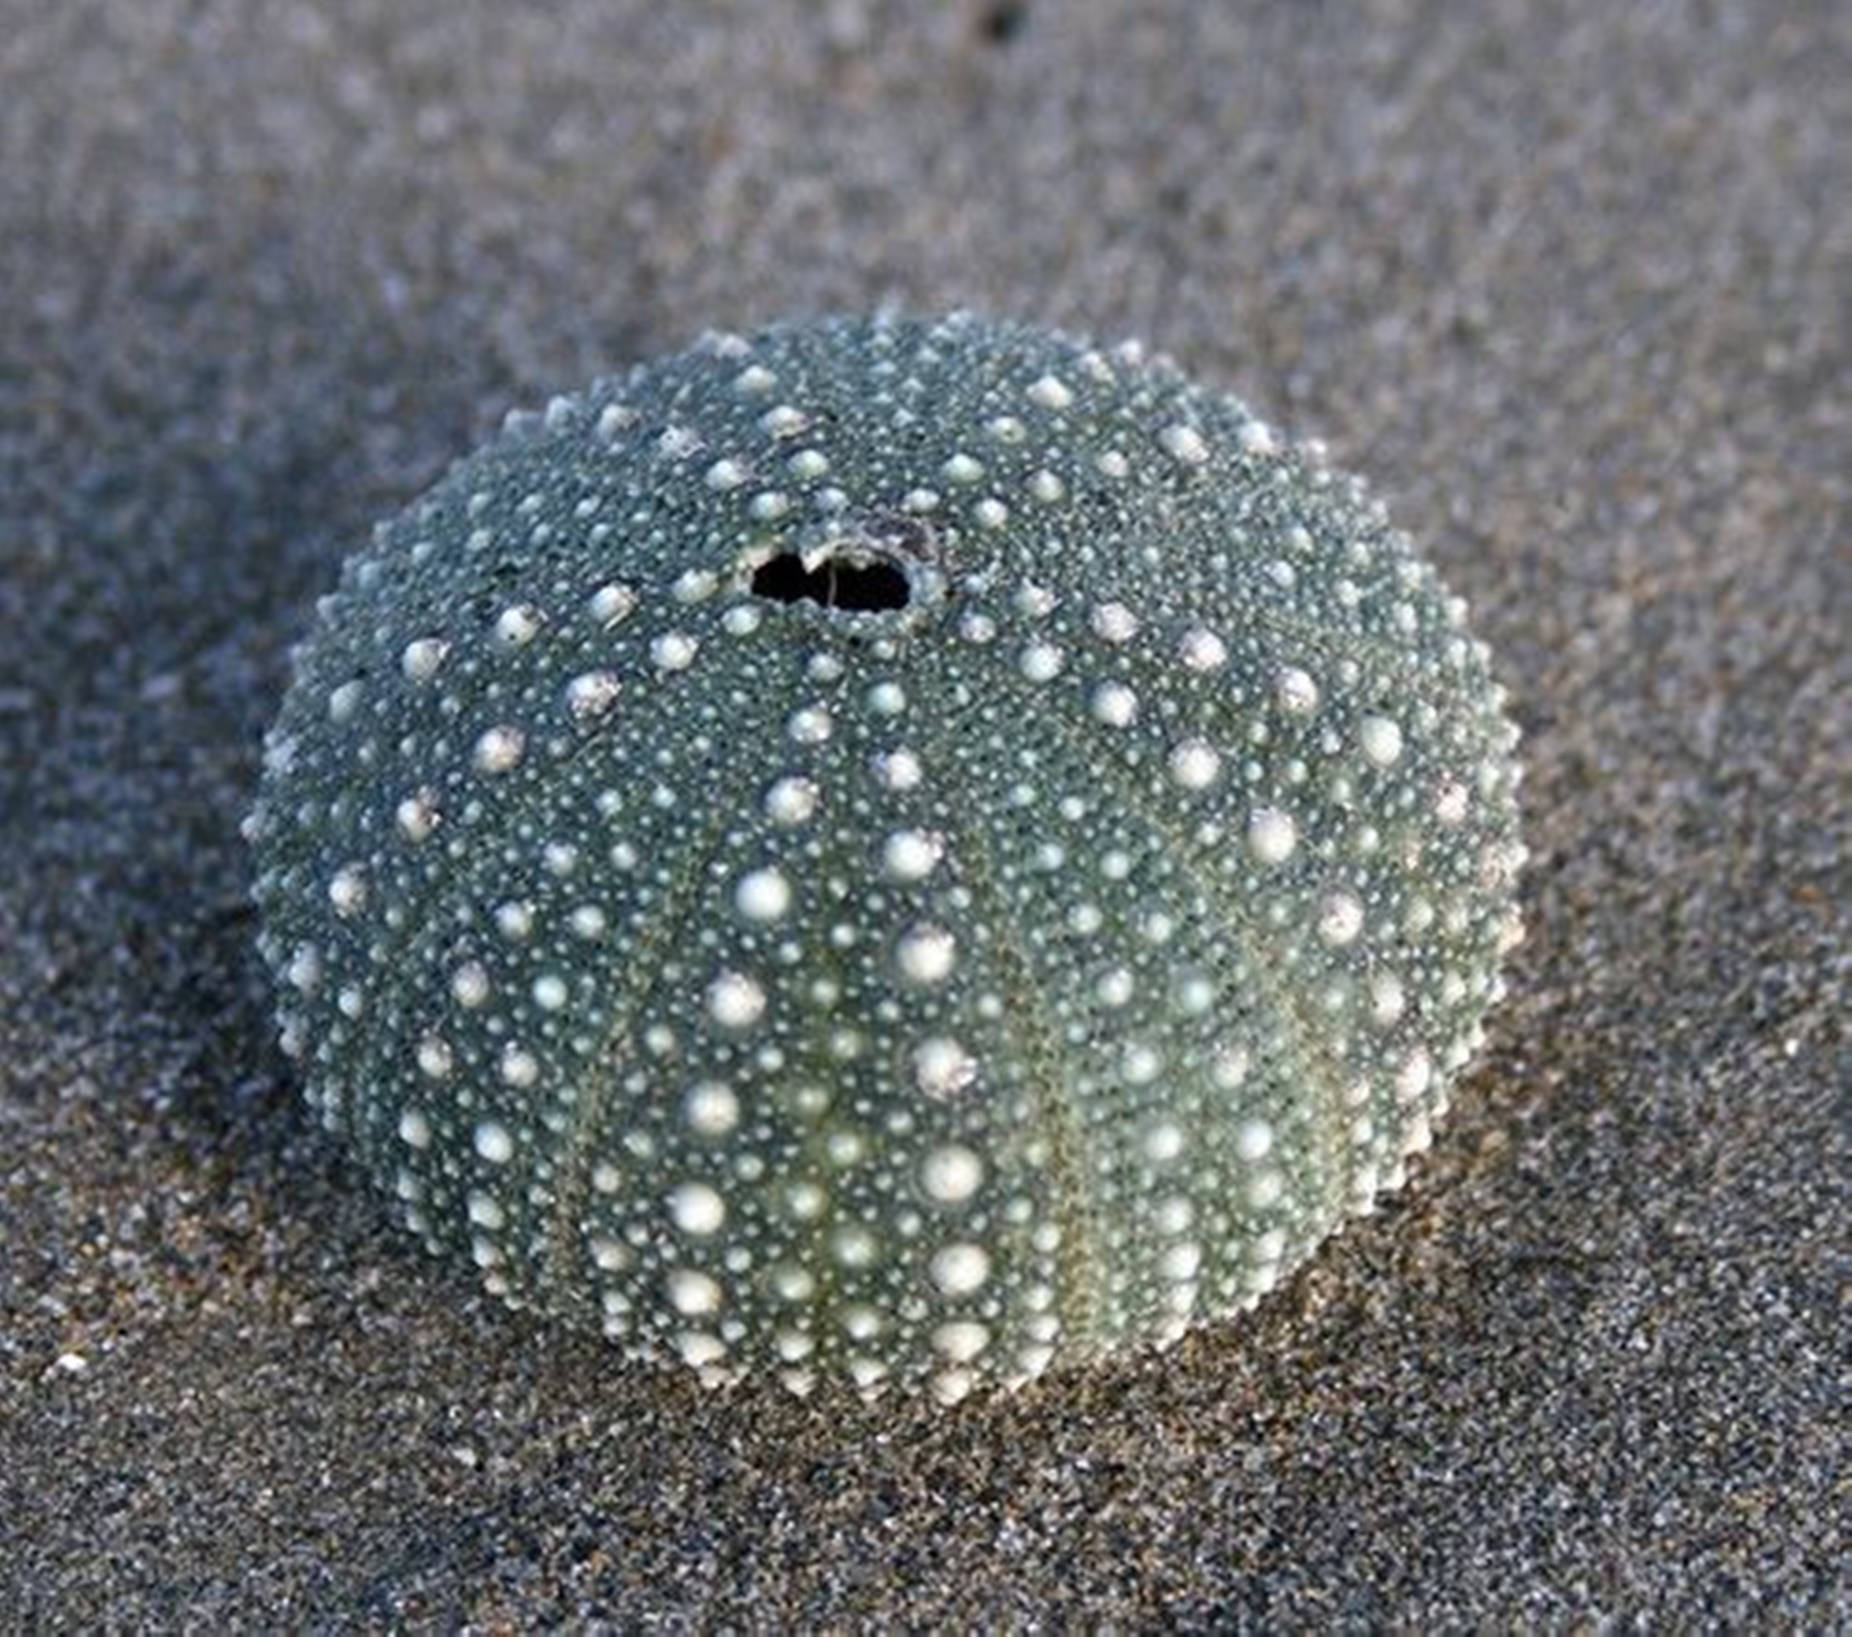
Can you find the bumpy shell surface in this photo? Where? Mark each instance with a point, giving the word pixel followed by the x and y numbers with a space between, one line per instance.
pixel 902 851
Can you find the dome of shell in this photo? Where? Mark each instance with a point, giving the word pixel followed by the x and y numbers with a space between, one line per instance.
pixel 894 851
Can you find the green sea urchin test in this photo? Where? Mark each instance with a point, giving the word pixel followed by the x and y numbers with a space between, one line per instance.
pixel 894 851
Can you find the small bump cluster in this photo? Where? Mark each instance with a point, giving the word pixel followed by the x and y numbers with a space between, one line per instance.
pixel 892 851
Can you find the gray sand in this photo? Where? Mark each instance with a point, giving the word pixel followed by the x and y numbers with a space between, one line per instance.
pixel 1572 284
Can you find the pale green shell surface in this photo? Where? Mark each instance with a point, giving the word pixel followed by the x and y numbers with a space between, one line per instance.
pixel 1030 966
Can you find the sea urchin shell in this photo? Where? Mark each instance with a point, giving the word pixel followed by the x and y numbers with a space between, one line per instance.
pixel 892 850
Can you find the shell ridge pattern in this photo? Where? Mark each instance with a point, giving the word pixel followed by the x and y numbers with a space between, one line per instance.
pixel 616 1048
pixel 1235 917
pixel 516 812
pixel 517 895
pixel 890 851
pixel 1071 1154
pixel 1151 1224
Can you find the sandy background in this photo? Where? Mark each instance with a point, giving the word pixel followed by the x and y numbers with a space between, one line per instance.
pixel 1571 283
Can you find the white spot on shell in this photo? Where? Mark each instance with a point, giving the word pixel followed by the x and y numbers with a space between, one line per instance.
pixel 942 1068
pixel 1163 1142
pixel 1382 740
pixel 609 604
pixel 763 895
pixel 347 890
pixel 1340 918
pixel 735 1001
pixel 951 1174
pixel 420 659
pixel 517 626
pixel 1139 1064
pixel 1266 1189
pixel 910 855
pixel 1051 392
pixel 1296 691
pixel 1386 998
pixel 608 1255
pixel 1184 444
pixel 1115 988
pixel 493 1142
pixel 1040 662
pixel 696 1208
pixel 1230 1067
pixel 469 984
pixel 791 800
pixel 1114 704
pixel 693 1293
pixel 416 816
pixel 499 749
pixel 711 1108
pixel 961 1340
pixel 1202 650
pixel 1254 1139
pixel 1414 1076
pixel 1194 764
pixel 960 1268
pixel 1272 835
pixel 810 725
pixel 898 770
pixel 414 1129
pixel 1181 1261
pixel 1113 622
pixel 304 971
pixel 925 955
pixel 591 694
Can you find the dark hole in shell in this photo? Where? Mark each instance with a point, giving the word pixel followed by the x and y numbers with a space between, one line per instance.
pixel 865 585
